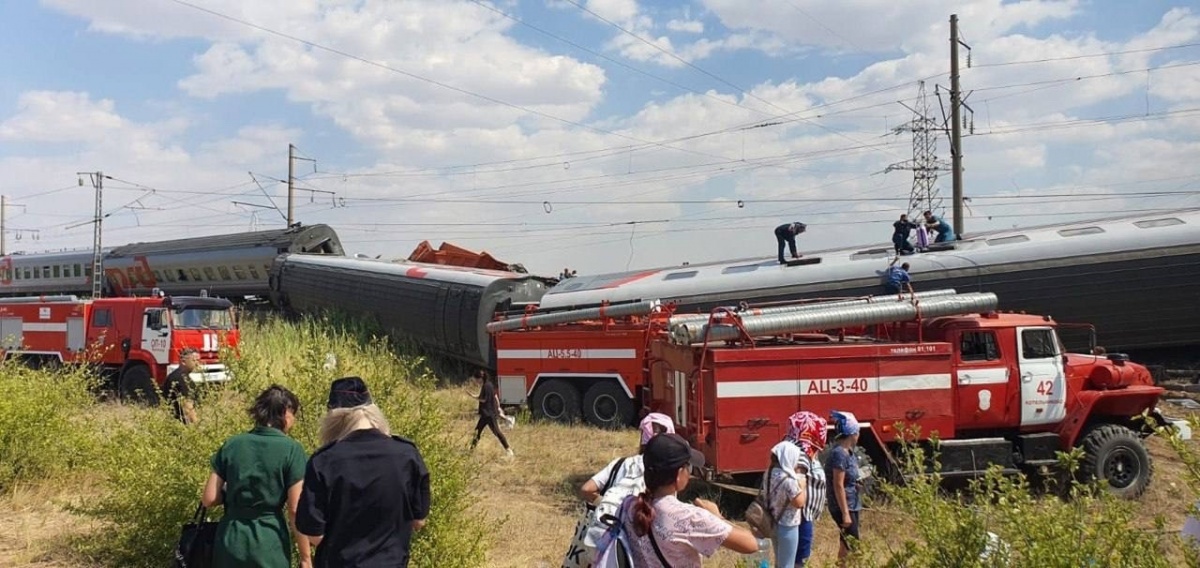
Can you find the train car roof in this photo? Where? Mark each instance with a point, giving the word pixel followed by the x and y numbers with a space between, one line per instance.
pixel 416 270
pixel 277 238
pixel 1062 240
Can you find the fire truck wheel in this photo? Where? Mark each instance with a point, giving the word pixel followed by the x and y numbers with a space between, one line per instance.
pixel 556 400
pixel 1116 455
pixel 606 405
pixel 137 386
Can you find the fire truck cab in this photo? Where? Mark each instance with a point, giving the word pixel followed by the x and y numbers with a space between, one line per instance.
pixel 134 341
pixel 993 388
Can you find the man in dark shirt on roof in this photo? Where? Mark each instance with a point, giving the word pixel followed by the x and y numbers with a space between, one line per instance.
pixel 901 230
pixel 365 493
pixel 786 233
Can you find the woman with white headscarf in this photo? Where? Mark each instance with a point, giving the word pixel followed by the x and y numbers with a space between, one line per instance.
pixel 841 468
pixel 807 431
pixel 785 486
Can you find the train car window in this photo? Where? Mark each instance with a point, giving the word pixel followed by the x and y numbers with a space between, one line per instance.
pixel 45 272
pixel 740 269
pixel 18 272
pixel 238 273
pixel 157 275
pixel 978 346
pixel 87 271
pixel 78 270
pixel 1080 231
pixel 209 274
pixel 1155 223
pixel 171 274
pixel 1008 240
pixel 680 275
pixel 195 274
pixel 224 273
pixel 101 318
pixel 253 272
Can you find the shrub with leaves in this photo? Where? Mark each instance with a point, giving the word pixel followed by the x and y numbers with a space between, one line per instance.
pixel 155 466
pixel 40 413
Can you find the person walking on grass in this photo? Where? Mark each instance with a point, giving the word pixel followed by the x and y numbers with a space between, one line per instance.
pixel 177 389
pixel 489 412
pixel 254 475
pixel 365 491
pixel 666 532
pixel 807 431
pixel 844 477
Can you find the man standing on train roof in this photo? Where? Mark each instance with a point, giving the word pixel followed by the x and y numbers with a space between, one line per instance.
pixel 944 231
pixel 896 278
pixel 786 233
pixel 902 229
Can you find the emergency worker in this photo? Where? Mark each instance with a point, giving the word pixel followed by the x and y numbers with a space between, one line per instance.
pixel 365 491
pixel 786 233
pixel 897 279
pixel 254 475
pixel 177 389
pixel 900 231
pixel 945 232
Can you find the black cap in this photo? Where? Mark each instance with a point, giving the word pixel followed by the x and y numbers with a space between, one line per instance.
pixel 348 392
pixel 668 452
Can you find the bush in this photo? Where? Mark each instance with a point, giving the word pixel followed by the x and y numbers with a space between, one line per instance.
pixel 1087 526
pixel 155 466
pixel 39 416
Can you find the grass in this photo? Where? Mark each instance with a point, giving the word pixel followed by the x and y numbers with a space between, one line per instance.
pixel 516 512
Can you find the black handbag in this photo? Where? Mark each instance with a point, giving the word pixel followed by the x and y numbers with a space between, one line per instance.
pixel 196 542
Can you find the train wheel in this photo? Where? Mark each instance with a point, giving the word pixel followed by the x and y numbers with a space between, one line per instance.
pixel 556 400
pixel 606 405
pixel 137 386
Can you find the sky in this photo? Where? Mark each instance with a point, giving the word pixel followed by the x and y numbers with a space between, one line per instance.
pixel 600 135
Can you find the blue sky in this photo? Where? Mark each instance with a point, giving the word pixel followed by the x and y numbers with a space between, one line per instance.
pixel 557 149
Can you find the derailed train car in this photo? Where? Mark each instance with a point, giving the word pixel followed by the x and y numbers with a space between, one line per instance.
pixel 1132 277
pixel 443 308
pixel 232 265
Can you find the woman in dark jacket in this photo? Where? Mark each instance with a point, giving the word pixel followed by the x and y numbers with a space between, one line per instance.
pixel 260 471
pixel 489 411
pixel 365 491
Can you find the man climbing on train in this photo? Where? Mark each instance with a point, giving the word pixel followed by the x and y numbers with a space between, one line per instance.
pixel 896 278
pixel 945 232
pixel 786 233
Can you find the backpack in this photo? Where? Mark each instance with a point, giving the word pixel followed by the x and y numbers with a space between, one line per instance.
pixel 610 500
pixel 759 516
pixel 613 551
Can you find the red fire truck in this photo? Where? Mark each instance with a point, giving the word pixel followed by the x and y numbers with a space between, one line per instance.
pixel 994 388
pixel 135 341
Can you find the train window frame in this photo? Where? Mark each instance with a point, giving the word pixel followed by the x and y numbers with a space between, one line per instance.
pixel 87 271
pixel 237 272
pixel 17 272
pixel 253 272
pixel 45 271
pixel 741 269
pixel 1014 239
pixel 224 272
pixel 1081 231
pixel 681 275
pixel 169 274
pixel 158 277
pixel 56 270
pixel 210 274
pixel 195 274
pixel 1156 223
pixel 77 270
pixel 105 321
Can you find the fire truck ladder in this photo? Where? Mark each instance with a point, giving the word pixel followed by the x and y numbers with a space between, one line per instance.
pixel 534 319
pixel 819 317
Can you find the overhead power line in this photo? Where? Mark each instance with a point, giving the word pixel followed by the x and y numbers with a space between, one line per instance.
pixel 1086 56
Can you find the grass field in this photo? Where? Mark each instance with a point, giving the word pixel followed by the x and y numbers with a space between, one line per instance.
pixel 528 499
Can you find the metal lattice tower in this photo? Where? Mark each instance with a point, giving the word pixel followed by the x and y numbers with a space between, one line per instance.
pixel 924 164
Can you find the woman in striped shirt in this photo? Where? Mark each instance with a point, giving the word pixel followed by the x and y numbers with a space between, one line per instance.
pixel 807 431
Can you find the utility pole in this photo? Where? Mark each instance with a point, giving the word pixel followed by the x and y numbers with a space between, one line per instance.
pixel 291 183
pixel 3 205
pixel 97 230
pixel 956 166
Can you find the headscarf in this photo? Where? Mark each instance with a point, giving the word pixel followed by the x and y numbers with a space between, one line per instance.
pixel 807 430
pixel 655 419
pixel 845 422
pixel 788 455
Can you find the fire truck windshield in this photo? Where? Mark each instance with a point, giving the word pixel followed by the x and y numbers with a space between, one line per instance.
pixel 203 318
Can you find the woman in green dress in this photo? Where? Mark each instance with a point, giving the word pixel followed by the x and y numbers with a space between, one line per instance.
pixel 254 475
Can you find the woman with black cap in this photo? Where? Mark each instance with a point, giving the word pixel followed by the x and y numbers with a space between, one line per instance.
pixel 666 532
pixel 254 475
pixel 365 491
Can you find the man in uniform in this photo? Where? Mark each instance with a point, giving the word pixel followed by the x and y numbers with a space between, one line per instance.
pixel 896 279
pixel 177 389
pixel 786 233
pixel 901 230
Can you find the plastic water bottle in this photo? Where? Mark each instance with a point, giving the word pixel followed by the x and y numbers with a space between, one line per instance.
pixel 762 558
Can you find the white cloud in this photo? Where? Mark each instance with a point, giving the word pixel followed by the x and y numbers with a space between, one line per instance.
pixel 686 26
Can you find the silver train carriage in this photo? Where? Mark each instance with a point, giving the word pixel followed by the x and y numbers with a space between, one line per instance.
pixel 443 308
pixel 1134 278
pixel 233 266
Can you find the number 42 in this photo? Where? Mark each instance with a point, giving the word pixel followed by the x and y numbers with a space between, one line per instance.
pixel 1045 388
